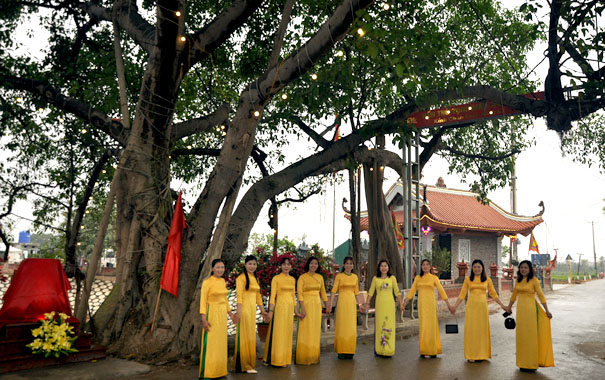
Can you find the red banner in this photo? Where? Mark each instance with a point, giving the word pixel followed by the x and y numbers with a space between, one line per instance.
pixel 465 113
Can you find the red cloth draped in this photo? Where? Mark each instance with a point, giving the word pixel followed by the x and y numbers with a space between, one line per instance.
pixel 38 286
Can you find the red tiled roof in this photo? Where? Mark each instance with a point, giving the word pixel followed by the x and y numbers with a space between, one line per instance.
pixel 460 211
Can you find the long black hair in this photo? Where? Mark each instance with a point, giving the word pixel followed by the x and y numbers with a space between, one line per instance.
pixel 483 275
pixel 311 258
pixel 422 262
pixel 530 275
pixel 249 258
pixel 348 258
pixel 378 273
pixel 216 261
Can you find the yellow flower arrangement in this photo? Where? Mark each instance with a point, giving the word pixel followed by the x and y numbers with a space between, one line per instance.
pixel 54 336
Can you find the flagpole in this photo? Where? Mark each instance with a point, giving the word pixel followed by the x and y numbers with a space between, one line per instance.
pixel 334 218
pixel 157 307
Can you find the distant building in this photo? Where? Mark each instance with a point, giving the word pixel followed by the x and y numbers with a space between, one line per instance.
pixel 456 221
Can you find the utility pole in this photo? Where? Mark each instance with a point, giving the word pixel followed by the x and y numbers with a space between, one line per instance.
pixel 594 251
pixel 579 264
pixel 513 207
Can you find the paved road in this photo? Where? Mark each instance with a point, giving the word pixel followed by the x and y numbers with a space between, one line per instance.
pixel 578 318
pixel 578 340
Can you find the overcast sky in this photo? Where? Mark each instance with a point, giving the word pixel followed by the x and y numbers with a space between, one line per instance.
pixel 573 195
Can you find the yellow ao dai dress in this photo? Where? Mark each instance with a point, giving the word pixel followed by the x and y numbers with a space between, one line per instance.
pixel 477 338
pixel 278 347
pixel 386 290
pixel 429 339
pixel 345 336
pixel 311 290
pixel 244 357
pixel 214 304
pixel 534 340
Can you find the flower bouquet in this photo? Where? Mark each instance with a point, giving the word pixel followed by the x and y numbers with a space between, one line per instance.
pixel 54 337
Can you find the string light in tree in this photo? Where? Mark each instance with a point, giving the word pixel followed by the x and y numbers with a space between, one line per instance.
pixel 284 96
pixel 178 13
pixel 183 38
pixel 470 108
pixel 361 32
pixel 104 171
pixel 256 113
pixel 19 99
pixel 386 6
pixel 189 147
pixel 340 53
pixel 40 109
pixel 314 76
pixel 61 120
pixel 83 131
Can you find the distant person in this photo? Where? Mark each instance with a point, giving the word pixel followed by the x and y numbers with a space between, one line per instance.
pixel 278 347
pixel 534 340
pixel 311 291
pixel 477 337
pixel 425 283
pixel 384 284
pixel 248 299
pixel 214 308
pixel 346 284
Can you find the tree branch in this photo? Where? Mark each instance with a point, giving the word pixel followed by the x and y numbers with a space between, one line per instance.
pixel 84 111
pixel 310 132
pixel 478 156
pixel 193 126
pixel 279 34
pixel 210 37
pixel 298 63
pixel 129 19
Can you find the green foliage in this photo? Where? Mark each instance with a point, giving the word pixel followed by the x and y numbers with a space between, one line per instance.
pixel 441 258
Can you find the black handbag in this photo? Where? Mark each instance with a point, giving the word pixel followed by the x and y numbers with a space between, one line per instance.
pixel 451 328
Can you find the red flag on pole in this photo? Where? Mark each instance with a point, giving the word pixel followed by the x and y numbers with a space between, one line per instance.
pixel 337 133
pixel 533 244
pixel 172 263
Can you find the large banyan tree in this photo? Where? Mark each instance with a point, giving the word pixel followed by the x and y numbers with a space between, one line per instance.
pixel 191 90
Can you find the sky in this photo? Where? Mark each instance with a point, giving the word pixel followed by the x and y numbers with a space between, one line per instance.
pixel 573 195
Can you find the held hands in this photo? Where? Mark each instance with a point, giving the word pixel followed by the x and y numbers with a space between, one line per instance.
pixel 301 315
pixel 452 309
pixel 235 318
pixel 205 324
pixel 329 309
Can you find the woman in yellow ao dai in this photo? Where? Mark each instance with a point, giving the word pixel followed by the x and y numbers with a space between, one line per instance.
pixel 214 308
pixel 429 339
pixel 477 337
pixel 248 298
pixel 534 340
pixel 278 347
pixel 384 284
pixel 311 291
pixel 346 285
